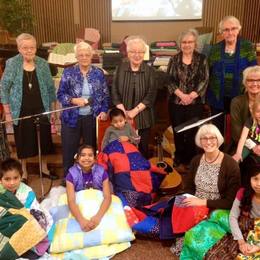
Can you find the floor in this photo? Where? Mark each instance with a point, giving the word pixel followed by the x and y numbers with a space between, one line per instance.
pixel 142 249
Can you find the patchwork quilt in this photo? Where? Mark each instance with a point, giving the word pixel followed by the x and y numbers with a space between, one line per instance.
pixel 111 236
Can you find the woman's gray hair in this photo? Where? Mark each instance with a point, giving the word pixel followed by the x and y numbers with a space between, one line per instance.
pixel 211 130
pixel 83 46
pixel 131 40
pixel 23 37
pixel 249 70
pixel 230 18
pixel 192 32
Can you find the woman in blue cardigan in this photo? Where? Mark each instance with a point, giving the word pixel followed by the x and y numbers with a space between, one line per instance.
pixel 28 89
pixel 81 85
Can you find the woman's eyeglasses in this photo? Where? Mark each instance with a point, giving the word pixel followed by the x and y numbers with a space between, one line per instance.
pixel 206 139
pixel 253 81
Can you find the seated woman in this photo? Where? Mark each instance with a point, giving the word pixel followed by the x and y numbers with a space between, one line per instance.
pixel 214 179
pixel 15 222
pixel 240 112
pixel 250 133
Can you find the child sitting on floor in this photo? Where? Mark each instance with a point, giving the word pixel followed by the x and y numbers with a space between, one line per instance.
pixel 120 129
pixel 14 196
pixel 86 173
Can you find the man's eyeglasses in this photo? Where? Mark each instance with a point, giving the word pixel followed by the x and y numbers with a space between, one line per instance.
pixel 232 29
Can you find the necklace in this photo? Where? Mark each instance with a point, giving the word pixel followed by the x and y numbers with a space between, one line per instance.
pixel 210 162
pixel 29 78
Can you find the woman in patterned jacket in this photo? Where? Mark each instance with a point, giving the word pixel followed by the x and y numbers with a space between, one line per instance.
pixel 85 86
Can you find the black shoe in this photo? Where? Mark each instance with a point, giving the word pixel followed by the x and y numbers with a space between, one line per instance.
pixel 50 176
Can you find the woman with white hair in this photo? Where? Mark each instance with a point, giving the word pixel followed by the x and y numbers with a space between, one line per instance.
pixel 214 180
pixel 82 85
pixel 134 90
pixel 188 71
pixel 227 60
pixel 28 89
pixel 241 105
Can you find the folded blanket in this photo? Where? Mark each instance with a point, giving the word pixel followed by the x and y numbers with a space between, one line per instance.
pixel 19 230
pixel 113 228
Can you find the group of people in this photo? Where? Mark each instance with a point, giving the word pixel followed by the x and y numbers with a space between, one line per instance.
pixel 213 177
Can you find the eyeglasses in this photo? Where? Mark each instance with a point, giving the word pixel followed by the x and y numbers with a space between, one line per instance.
pixel 137 52
pixel 82 56
pixel 252 81
pixel 187 42
pixel 232 29
pixel 210 138
pixel 28 48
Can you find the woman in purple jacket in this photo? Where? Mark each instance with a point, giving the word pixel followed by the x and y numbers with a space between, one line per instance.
pixel 85 86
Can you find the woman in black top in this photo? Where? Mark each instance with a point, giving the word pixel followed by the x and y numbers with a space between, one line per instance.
pixel 188 71
pixel 134 90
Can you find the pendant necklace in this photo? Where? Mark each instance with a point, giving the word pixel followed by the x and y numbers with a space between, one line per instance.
pixel 29 78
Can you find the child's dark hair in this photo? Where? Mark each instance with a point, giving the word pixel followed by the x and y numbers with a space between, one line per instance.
pixel 84 146
pixel 246 202
pixel 10 164
pixel 116 112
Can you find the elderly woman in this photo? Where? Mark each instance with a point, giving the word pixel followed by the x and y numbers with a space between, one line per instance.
pixel 134 90
pixel 189 78
pixel 240 113
pixel 240 105
pixel 28 89
pixel 227 60
pixel 82 85
pixel 214 179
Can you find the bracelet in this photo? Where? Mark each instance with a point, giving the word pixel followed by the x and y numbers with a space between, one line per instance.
pixel 9 113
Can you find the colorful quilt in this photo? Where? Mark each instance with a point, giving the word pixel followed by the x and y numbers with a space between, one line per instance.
pixel 199 239
pixel 183 217
pixel 111 236
pixel 19 230
pixel 136 181
pixel 129 170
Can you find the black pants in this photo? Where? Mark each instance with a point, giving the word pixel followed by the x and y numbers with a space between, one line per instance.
pixel 219 121
pixel 71 136
pixel 185 147
pixel 144 141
